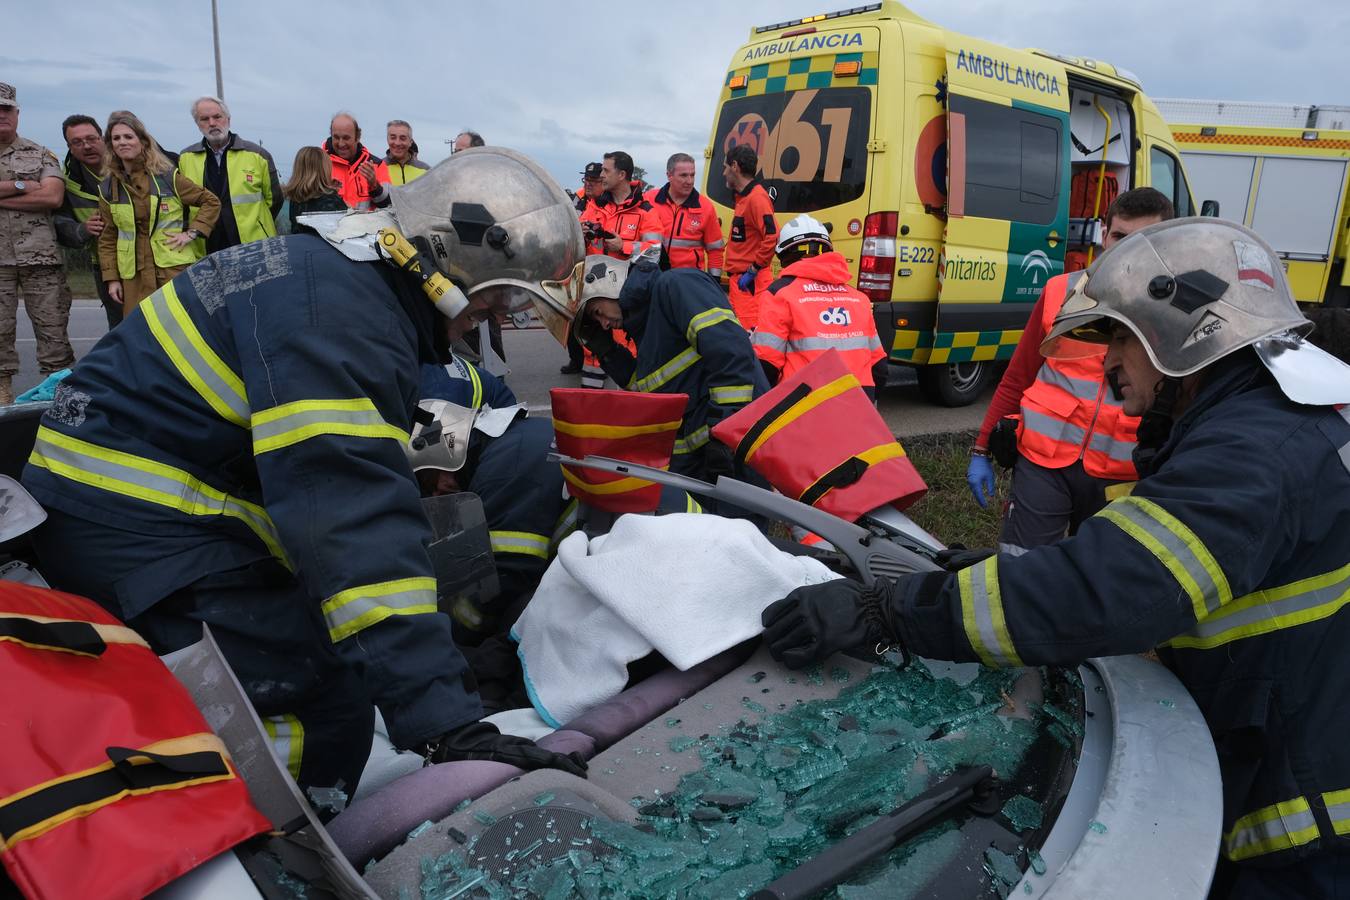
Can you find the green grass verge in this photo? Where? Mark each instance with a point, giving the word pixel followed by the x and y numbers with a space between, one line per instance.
pixel 948 511
pixel 81 283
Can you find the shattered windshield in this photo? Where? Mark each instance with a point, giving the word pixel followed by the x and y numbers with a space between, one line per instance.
pixel 780 782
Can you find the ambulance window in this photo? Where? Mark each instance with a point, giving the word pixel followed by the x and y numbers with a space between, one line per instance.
pixel 1018 187
pixel 1169 178
pixel 812 145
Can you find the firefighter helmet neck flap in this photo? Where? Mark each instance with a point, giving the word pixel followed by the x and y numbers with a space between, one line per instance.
pixel 440 439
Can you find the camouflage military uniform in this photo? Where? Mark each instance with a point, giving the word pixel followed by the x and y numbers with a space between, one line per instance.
pixel 30 265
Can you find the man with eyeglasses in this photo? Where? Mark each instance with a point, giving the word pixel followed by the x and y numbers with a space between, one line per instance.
pixel 239 172
pixel 78 222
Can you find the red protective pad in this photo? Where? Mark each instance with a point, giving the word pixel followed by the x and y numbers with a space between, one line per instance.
pixel 634 427
pixel 111 782
pixel 817 438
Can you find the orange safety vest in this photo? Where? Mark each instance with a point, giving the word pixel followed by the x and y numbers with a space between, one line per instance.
pixel 812 309
pixel 352 188
pixel 1069 413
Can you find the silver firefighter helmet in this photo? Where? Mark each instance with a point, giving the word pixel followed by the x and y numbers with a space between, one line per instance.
pixel 442 443
pixel 495 223
pixel 1193 290
pixel 599 277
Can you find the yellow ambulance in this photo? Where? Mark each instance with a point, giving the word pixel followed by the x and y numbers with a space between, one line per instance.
pixel 944 167
pixel 1283 170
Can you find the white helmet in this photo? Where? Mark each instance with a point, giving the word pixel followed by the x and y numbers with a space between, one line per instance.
pixel 443 442
pixel 802 230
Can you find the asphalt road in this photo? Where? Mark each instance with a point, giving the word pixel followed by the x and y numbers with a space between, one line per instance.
pixel 534 357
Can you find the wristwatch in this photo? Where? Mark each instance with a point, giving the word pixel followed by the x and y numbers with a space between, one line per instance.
pixel 20 186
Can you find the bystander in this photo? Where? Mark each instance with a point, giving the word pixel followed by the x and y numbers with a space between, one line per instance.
pixel 401 158
pixel 362 179
pixel 31 187
pixel 78 222
pixel 240 173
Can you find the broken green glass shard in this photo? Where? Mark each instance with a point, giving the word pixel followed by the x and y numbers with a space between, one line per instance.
pixel 1023 813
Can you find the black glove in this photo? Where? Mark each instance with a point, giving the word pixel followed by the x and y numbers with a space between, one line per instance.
pixel 718 460
pixel 815 621
pixel 1003 442
pixel 482 740
pixel 592 335
pixel 956 557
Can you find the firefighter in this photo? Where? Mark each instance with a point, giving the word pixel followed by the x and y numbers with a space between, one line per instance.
pixel 232 455
pixel 754 232
pixel 1072 438
pixel 688 341
pixel 811 308
pixel 1231 554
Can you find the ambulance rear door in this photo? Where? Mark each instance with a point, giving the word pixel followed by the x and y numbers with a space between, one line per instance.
pixel 807 105
pixel 1007 194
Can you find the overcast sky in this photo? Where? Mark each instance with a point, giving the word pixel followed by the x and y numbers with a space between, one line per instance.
pixel 564 82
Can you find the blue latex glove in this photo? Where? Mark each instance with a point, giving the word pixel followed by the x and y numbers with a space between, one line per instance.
pixel 747 280
pixel 45 391
pixel 980 477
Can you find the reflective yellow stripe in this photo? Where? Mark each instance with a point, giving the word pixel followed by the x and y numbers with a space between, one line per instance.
pixel 706 319
pixel 733 393
pixel 1262 612
pixel 982 614
pixel 662 375
pixel 1337 804
pixel 147 480
pixel 691 505
pixel 477 386
pixel 692 441
pixel 612 431
pixel 567 523
pixel 522 542
pixel 1116 491
pixel 802 407
pixel 605 487
pixel 358 608
pixel 194 359
pixel 111 634
pixel 1176 547
pixel 192 743
pixel 291 423
pixel 288 740
pixel 1283 826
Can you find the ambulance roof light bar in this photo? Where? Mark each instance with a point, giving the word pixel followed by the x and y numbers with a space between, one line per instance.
pixel 851 11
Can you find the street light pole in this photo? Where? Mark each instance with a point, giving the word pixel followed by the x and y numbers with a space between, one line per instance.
pixel 215 36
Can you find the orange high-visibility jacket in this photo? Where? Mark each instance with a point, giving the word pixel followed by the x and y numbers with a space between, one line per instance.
pixel 691 233
pixel 352 188
pixel 1069 412
pixel 754 231
pixel 810 309
pixel 633 221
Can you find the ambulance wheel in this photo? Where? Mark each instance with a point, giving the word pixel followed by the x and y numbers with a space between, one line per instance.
pixel 955 384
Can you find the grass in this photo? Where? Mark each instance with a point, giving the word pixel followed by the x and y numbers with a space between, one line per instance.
pixel 948 511
pixel 81 283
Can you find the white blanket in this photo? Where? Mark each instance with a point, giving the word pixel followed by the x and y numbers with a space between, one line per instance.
pixel 688 586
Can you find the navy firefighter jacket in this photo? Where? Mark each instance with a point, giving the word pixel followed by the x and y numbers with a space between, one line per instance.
pixel 688 341
pixel 257 405
pixel 1232 556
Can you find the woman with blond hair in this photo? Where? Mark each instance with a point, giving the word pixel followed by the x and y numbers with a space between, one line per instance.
pixel 311 188
pixel 145 198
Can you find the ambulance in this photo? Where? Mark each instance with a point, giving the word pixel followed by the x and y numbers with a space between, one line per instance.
pixel 956 175
pixel 1283 170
